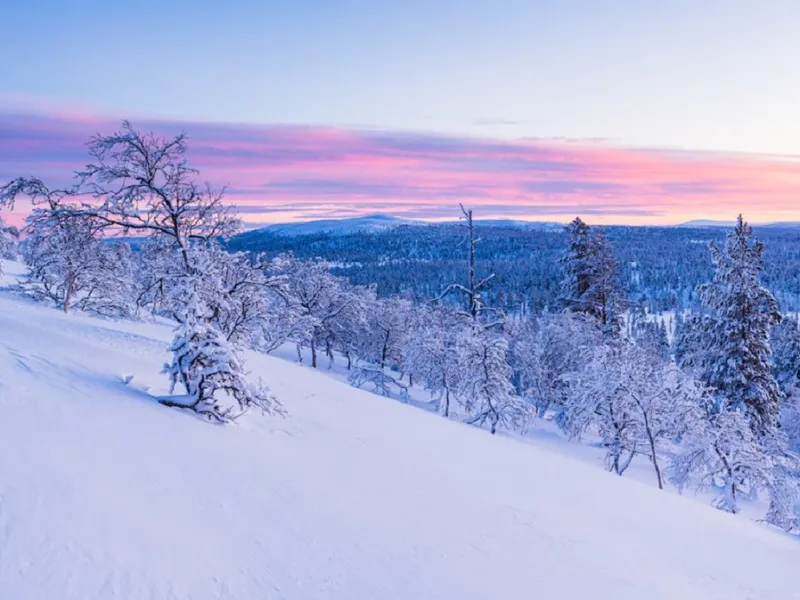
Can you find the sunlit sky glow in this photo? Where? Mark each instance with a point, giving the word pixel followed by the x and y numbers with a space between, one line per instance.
pixel 621 111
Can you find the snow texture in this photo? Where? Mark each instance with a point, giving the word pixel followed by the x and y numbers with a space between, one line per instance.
pixel 104 493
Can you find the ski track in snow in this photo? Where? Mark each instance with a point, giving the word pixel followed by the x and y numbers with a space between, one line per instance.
pixel 106 494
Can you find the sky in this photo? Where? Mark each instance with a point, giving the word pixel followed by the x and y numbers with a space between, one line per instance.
pixel 623 111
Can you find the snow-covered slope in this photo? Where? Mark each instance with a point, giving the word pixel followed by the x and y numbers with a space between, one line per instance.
pixel 106 494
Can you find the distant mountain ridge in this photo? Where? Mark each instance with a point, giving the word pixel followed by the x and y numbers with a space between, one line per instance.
pixel 702 223
pixel 706 223
pixel 376 222
pixel 383 222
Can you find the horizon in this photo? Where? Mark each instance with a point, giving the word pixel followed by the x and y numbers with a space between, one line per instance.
pixel 279 174
pixel 700 223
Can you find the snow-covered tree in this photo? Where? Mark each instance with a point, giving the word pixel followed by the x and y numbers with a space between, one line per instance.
pixel 735 441
pixel 141 182
pixel 9 235
pixel 430 353
pixel 590 282
pixel 156 270
pixel 322 301
pixel 484 388
pixel 387 325
pixel 349 330
pixel 9 238
pixel 785 343
pixel 729 347
pixel 245 294
pixel 70 266
pixel 576 265
pixel 719 449
pixel 633 399
pixel 208 366
pixel 650 334
pixel 9 193
pixel 546 352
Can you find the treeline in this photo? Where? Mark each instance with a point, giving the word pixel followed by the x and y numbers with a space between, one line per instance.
pixel 715 407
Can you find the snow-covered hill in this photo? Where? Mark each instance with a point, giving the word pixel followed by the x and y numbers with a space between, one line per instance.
pixel 106 494
pixel 376 222
pixel 706 223
pixel 379 222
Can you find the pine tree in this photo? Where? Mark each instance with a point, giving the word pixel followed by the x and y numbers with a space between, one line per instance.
pixel 735 441
pixel 734 354
pixel 590 277
pixel 576 264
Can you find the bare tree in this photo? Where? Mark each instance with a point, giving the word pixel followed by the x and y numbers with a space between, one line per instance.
pixel 141 182
pixel 474 289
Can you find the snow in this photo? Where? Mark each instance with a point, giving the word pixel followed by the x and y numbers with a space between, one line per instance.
pixel 106 494
pixel 367 223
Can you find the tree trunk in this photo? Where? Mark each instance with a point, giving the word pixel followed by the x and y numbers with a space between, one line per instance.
pixel 68 294
pixel 729 505
pixel 314 350
pixel 495 419
pixel 329 353
pixel 654 459
pixel 385 350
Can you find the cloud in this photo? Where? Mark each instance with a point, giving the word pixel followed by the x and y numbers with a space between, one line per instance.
pixel 293 172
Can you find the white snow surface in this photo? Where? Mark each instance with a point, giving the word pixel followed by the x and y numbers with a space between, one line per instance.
pixel 106 494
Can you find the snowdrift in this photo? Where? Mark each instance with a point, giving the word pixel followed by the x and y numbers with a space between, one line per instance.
pixel 106 494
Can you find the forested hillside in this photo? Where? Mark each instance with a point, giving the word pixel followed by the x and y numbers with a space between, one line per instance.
pixel 662 266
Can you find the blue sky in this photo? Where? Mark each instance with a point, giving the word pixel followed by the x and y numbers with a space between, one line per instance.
pixel 701 75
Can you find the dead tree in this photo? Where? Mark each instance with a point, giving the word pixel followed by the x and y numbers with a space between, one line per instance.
pixel 473 291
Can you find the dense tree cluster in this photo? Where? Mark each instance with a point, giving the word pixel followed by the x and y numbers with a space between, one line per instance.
pixel 659 267
pixel 713 402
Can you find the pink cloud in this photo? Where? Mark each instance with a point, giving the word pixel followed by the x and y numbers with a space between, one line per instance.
pixel 277 173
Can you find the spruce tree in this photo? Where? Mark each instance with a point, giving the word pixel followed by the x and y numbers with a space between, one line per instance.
pixel 732 355
pixel 575 264
pixel 590 277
